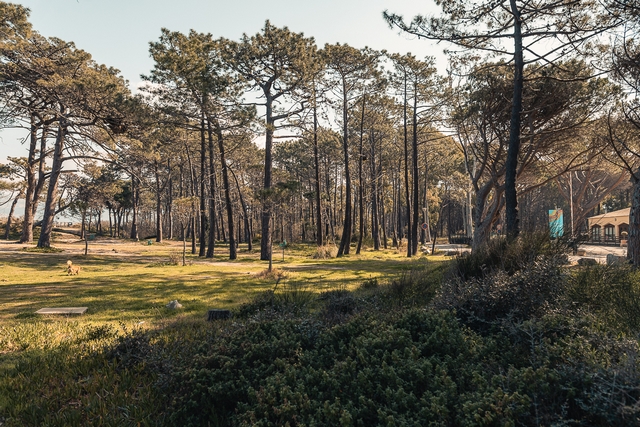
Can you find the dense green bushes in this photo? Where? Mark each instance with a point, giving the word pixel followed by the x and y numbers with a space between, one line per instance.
pixel 420 367
pixel 611 293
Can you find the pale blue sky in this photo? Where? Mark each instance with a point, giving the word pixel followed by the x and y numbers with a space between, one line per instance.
pixel 117 32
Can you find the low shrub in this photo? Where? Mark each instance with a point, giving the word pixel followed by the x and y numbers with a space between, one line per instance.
pixel 274 274
pixel 338 305
pixel 415 286
pixel 529 292
pixel 499 254
pixel 175 258
pixel 261 302
pixel 611 292
pixel 289 300
pixel 371 283
pixel 325 252
pixel 48 250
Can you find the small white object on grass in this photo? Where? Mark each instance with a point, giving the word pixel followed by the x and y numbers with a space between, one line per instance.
pixel 174 304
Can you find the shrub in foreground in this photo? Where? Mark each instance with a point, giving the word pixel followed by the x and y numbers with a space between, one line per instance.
pixel 530 292
pixel 417 368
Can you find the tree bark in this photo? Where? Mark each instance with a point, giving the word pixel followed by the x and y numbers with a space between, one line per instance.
pixel 361 178
pixel 29 212
pixel 406 172
pixel 158 203
pixel 427 231
pixel 414 172
pixel 7 229
pixel 633 249
pixel 170 203
pixel 316 163
pixel 265 241
pixel 511 197
pixel 484 221
pixel 233 254
pixel 203 174
pixel 52 194
pixel 345 241
pixel 134 207
pixel 375 226
pixel 212 191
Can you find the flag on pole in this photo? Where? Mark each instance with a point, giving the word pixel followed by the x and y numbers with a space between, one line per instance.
pixel 556 223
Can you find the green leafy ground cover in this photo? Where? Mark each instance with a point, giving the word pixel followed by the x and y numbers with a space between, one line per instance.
pixel 369 340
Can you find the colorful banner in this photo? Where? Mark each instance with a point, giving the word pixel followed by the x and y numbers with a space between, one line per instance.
pixel 556 223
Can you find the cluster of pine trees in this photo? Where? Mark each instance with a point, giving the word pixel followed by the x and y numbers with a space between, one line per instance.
pixel 271 136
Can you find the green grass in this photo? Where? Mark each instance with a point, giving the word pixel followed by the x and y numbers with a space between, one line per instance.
pixel 130 282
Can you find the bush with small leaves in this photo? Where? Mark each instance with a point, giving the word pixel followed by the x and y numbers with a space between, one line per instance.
pixel 529 292
pixel 612 292
pixel 338 305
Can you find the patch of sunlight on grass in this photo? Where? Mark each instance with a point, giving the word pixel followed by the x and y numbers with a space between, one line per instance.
pixel 127 284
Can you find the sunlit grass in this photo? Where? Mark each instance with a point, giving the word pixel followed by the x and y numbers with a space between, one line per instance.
pixel 129 283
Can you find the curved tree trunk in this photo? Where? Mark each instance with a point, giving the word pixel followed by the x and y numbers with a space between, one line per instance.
pixel 52 194
pixel 7 230
pixel 29 214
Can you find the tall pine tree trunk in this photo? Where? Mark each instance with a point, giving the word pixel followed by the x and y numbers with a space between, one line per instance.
pixel 345 241
pixel 511 166
pixel 361 179
pixel 414 172
pixel 316 163
pixel 212 193
pixel 170 203
pixel 135 199
pixel 265 241
pixel 406 172
pixel 375 226
pixel 233 254
pixel 158 203
pixel 203 175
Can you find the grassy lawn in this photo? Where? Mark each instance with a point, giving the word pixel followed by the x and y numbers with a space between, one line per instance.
pixel 127 284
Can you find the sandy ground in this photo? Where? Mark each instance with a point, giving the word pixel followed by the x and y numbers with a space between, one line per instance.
pixel 599 253
pixel 123 248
